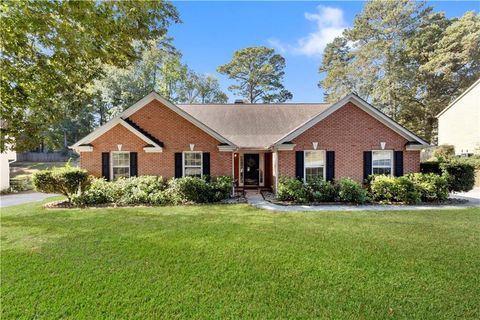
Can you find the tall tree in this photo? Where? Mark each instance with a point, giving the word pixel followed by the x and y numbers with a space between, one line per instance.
pixel 259 73
pixel 158 69
pixel 202 89
pixel 51 50
pixel 407 60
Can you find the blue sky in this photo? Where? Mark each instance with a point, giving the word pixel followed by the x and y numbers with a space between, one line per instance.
pixel 212 31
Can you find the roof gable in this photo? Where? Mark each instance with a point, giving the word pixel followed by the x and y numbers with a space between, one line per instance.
pixel 109 125
pixel 362 104
pixel 155 96
pixel 476 83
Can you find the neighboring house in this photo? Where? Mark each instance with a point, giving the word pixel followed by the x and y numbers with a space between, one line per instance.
pixel 459 123
pixel 5 159
pixel 254 143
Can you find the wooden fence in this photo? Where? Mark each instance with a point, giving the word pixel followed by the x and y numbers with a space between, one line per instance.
pixel 44 156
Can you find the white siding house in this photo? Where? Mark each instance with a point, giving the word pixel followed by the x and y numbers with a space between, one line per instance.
pixel 459 123
pixel 5 159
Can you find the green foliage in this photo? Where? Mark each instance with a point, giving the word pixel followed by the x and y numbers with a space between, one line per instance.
pixel 291 189
pixel 259 74
pixel 322 191
pixel 430 167
pixel 153 190
pixel 460 175
pixel 220 188
pixel 52 50
pixel 67 180
pixel 129 191
pixel 432 187
pixel 159 69
pixel 190 189
pixel 352 192
pixel 407 60
pixel 394 189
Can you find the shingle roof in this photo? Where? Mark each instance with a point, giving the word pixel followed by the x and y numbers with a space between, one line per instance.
pixel 254 125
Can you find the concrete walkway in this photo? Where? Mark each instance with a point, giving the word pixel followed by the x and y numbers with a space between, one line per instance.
pixel 256 200
pixel 23 197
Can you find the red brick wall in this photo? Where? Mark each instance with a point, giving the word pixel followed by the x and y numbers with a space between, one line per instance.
pixel 349 132
pixel 173 130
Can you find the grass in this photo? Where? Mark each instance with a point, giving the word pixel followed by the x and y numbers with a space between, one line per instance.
pixel 234 261
pixel 21 168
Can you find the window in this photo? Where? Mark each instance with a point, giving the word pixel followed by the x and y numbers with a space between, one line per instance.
pixel 314 165
pixel 382 162
pixel 120 164
pixel 192 164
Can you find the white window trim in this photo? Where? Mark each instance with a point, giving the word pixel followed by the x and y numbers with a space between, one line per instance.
pixel 111 163
pixel 305 164
pixel 201 162
pixel 392 165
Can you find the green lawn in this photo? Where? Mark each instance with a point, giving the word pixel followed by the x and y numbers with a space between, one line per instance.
pixel 239 262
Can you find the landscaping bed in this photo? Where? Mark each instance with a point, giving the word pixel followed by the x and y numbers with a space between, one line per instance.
pixel 270 197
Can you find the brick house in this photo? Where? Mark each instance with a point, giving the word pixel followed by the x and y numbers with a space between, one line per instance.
pixel 254 143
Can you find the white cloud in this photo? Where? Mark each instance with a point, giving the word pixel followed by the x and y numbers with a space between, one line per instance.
pixel 330 23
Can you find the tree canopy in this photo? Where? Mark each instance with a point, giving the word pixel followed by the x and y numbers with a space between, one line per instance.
pixel 52 50
pixel 407 60
pixel 259 73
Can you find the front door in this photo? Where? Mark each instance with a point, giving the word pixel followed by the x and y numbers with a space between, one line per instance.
pixel 251 168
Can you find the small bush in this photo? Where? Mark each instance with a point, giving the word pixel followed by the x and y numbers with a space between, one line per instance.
pixel 432 187
pixel 291 189
pixel 430 167
pixel 66 180
pixel 352 192
pixel 460 175
pixel 394 189
pixel 220 188
pixel 190 189
pixel 322 191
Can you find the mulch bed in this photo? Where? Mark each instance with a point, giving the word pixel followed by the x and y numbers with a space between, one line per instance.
pixel 270 197
pixel 63 204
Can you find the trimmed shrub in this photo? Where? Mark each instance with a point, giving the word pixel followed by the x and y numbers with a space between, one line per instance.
pixel 431 186
pixel 124 191
pixel 291 189
pixel 66 180
pixel 190 189
pixel 220 188
pixel 394 189
pixel 430 167
pixel 322 191
pixel 351 191
pixel 460 175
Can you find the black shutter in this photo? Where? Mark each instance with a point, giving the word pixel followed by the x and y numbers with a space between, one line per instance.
pixel 367 164
pixel 106 165
pixel 330 176
pixel 178 165
pixel 133 164
pixel 206 163
pixel 299 162
pixel 398 163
